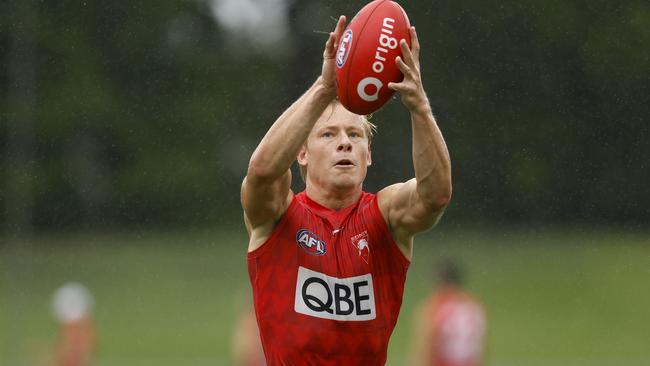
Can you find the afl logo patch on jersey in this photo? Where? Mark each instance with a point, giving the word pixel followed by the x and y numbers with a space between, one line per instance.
pixel 310 243
pixel 327 297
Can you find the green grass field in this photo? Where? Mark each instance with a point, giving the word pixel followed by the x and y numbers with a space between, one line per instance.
pixel 561 297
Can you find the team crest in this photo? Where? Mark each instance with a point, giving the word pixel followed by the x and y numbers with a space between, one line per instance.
pixel 360 242
pixel 310 243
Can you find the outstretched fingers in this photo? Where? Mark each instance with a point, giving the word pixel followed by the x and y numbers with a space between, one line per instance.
pixel 403 67
pixel 410 87
pixel 406 70
pixel 415 44
pixel 330 50
pixel 398 87
pixel 340 27
pixel 408 56
pixel 334 37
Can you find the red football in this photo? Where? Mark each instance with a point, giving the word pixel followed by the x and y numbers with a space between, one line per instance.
pixel 365 60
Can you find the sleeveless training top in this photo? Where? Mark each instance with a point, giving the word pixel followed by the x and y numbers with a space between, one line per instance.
pixel 327 285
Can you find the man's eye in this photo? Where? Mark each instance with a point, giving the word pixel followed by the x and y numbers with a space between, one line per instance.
pixel 328 134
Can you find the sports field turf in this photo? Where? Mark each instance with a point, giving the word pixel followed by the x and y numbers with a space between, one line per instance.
pixel 559 297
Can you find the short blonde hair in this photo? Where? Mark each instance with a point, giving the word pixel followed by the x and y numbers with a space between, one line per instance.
pixel 368 127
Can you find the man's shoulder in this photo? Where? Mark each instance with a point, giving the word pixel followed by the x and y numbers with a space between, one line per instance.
pixel 386 195
pixel 260 233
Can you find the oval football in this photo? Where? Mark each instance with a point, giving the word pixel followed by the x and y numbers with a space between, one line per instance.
pixel 365 59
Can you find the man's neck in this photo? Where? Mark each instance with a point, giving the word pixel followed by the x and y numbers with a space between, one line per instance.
pixel 333 199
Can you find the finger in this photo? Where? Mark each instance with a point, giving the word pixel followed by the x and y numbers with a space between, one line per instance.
pixel 340 27
pixel 329 47
pixel 404 68
pixel 407 54
pixel 415 44
pixel 398 87
pixel 338 31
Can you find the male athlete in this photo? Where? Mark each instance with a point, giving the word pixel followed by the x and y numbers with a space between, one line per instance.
pixel 328 265
pixel 450 325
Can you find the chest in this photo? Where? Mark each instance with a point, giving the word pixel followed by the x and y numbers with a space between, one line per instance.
pixel 343 248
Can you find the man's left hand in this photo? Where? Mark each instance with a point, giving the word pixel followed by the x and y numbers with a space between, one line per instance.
pixel 411 89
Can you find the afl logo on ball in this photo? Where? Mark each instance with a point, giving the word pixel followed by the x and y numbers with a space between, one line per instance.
pixel 309 242
pixel 344 48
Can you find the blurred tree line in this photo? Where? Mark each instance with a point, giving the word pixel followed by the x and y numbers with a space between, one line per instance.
pixel 134 113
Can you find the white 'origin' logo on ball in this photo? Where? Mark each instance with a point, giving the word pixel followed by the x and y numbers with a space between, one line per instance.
pixel 372 82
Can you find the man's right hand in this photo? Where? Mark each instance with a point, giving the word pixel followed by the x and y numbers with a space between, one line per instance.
pixel 328 74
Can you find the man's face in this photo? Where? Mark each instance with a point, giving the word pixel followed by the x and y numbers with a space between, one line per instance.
pixel 337 153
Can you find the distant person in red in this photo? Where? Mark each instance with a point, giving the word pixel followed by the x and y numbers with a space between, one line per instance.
pixel 450 325
pixel 328 265
pixel 72 307
pixel 246 346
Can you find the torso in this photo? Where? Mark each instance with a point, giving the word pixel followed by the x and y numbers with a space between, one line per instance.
pixel 328 285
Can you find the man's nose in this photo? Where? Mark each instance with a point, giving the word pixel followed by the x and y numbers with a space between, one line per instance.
pixel 345 144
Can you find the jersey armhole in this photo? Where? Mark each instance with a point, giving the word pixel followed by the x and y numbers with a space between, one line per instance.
pixel 383 226
pixel 276 231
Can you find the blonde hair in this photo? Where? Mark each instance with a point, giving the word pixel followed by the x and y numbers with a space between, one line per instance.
pixel 368 127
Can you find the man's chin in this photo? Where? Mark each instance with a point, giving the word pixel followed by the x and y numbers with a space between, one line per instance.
pixel 342 183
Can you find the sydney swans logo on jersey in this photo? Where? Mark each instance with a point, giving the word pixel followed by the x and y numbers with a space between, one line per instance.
pixel 345 299
pixel 310 243
pixel 360 241
pixel 344 48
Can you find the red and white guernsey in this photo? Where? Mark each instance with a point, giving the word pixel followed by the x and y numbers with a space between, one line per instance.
pixel 327 285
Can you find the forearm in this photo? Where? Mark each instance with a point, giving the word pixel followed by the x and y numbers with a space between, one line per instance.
pixel 430 158
pixel 281 144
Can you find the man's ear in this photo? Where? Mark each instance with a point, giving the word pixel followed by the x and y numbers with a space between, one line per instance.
pixel 369 163
pixel 302 156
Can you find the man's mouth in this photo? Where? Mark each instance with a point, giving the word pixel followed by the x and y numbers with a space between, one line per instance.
pixel 344 163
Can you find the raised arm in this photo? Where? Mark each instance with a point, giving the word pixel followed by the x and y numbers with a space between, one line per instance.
pixel 265 191
pixel 416 205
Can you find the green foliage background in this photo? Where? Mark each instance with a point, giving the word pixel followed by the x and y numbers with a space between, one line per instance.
pixel 146 114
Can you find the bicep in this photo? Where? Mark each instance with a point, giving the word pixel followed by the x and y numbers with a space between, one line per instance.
pixel 265 201
pixel 406 212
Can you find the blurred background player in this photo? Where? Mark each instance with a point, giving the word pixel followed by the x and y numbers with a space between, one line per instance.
pixel 246 346
pixel 450 325
pixel 72 305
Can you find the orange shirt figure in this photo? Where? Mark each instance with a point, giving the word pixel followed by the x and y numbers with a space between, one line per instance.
pixel 247 347
pixel 72 308
pixel 450 326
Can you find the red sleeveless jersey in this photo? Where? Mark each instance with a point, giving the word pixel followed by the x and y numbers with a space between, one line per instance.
pixel 327 285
